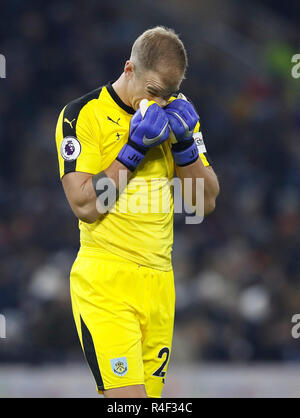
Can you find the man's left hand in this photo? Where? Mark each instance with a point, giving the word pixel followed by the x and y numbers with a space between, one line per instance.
pixel 182 119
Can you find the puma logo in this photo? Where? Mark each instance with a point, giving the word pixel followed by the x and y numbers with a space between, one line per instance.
pixel 70 123
pixel 116 122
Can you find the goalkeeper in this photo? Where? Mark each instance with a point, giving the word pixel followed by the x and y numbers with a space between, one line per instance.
pixel 112 146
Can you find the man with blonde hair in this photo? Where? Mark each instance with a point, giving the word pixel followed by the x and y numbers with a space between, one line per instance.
pixel 119 144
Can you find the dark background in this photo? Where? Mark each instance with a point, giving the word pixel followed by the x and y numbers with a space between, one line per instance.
pixel 238 273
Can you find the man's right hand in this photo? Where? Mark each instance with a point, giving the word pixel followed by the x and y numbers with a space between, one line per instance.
pixel 149 127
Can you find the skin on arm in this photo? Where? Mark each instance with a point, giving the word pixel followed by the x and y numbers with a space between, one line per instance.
pixel 80 191
pixel 211 184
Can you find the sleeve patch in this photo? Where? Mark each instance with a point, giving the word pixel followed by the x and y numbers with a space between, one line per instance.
pixel 70 148
pixel 199 142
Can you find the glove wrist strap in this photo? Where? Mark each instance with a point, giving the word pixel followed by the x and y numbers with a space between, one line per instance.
pixel 131 155
pixel 185 153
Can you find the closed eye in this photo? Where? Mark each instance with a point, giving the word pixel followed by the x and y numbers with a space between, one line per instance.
pixel 153 93
pixel 156 93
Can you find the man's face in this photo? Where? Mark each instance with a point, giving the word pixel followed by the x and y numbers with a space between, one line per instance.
pixel 151 85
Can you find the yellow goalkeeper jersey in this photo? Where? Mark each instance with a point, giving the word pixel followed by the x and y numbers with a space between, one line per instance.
pixel 90 133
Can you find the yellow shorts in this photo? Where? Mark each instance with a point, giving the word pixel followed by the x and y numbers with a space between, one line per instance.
pixel 124 315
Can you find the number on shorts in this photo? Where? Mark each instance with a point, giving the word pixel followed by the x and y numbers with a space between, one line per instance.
pixel 159 372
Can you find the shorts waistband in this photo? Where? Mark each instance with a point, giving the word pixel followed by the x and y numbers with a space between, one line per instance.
pixel 100 253
pixel 103 254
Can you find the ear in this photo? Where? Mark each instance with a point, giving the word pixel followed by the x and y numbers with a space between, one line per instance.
pixel 128 69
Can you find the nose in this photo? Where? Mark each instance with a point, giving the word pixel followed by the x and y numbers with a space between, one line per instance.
pixel 160 101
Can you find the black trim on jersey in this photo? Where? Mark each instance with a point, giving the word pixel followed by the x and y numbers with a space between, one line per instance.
pixel 90 354
pixel 71 113
pixel 117 99
pixel 69 166
pixel 208 158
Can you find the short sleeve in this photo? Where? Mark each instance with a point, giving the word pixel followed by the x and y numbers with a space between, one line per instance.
pixel 77 141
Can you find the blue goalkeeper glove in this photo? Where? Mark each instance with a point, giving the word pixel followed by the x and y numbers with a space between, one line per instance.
pixel 182 120
pixel 149 127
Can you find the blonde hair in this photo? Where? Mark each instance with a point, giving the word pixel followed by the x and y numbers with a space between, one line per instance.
pixel 159 49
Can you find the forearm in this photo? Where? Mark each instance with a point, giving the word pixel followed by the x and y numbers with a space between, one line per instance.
pixel 96 194
pixel 195 171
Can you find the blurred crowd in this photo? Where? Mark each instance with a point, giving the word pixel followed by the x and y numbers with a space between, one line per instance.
pixel 238 273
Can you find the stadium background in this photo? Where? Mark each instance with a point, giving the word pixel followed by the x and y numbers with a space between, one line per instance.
pixel 237 274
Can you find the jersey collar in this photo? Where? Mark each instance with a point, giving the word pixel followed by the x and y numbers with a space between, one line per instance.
pixel 117 99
